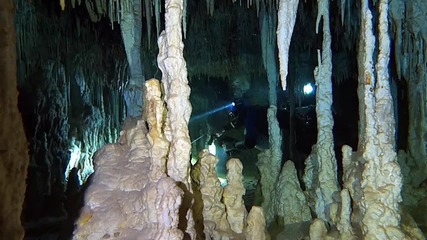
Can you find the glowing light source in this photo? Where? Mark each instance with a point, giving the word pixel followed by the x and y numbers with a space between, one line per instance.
pixel 308 88
pixel 199 116
pixel 223 181
pixel 212 148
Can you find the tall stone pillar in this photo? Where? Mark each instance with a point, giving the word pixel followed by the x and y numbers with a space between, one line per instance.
pixel 13 144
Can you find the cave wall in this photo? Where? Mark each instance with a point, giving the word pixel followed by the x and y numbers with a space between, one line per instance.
pixel 71 77
pixel 13 144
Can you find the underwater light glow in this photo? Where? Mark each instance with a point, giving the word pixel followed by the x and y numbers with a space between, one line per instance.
pixel 308 88
pixel 223 181
pixel 199 116
pixel 212 148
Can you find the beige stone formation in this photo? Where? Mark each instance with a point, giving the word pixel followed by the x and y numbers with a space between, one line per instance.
pixel 13 143
pixel 255 229
pixel 222 212
pixel 233 193
pixel 122 201
pixel 154 112
pixel 318 229
pixel 176 95
pixel 130 196
pixel 352 175
pixel 291 202
pixel 208 204
pixel 270 166
pixel 381 177
pixel 326 185
pixel 344 222
pixel 268 178
pixel 310 176
pixel 176 90
pixel 410 227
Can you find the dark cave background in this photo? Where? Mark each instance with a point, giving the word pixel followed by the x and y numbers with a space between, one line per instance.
pixel 72 73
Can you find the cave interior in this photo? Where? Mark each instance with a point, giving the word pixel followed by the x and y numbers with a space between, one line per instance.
pixel 81 65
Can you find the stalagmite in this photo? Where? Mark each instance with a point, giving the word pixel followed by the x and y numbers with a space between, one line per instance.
pixel 326 185
pixel 352 175
pixel 318 229
pixel 310 177
pixel 154 113
pixel 176 94
pixel 287 16
pixel 268 180
pixel 172 64
pixel 126 199
pixel 210 190
pixel 233 193
pixel 291 202
pixel 344 223
pixel 268 24
pixel 382 180
pixel 255 229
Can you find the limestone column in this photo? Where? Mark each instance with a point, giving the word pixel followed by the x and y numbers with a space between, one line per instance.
pixel 176 91
pixel 381 178
pixel 13 144
pixel 327 172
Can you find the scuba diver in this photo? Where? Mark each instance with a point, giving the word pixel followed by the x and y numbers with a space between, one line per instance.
pixel 253 118
pixel 254 121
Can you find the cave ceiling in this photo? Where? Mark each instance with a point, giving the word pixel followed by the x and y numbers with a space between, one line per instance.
pixel 221 43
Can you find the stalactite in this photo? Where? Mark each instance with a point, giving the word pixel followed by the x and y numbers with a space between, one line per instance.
pixel 210 4
pixel 157 15
pixel 342 9
pixel 148 20
pixel 287 16
pixel 98 5
pixel 348 10
pixel 184 19
pixel 257 2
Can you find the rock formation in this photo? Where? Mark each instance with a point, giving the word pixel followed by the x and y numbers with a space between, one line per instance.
pixel 13 143
pixel 232 196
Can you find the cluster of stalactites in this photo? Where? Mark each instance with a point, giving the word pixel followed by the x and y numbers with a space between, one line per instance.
pixel 117 9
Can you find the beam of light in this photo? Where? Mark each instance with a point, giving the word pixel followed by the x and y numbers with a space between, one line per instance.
pixel 203 115
pixel 308 88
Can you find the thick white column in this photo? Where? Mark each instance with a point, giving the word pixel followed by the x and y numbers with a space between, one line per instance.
pixel 175 83
pixel 382 179
pixel 327 183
